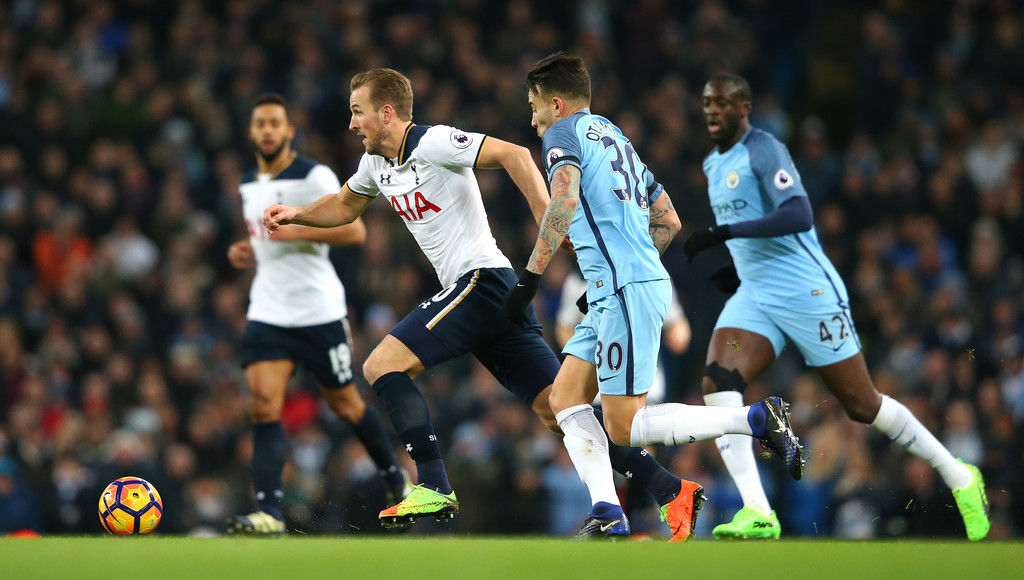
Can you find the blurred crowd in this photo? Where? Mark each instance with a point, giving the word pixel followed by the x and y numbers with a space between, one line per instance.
pixel 123 137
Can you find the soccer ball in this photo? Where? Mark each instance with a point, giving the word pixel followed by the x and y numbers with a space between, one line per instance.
pixel 130 505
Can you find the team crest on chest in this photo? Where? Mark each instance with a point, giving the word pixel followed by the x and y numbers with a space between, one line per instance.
pixel 732 181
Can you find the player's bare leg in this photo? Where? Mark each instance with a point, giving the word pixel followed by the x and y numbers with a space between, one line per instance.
pixel 266 381
pixel 368 425
pixel 390 368
pixel 736 357
pixel 542 407
pixel 850 382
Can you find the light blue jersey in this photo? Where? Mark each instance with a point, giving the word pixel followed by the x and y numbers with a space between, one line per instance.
pixel 628 288
pixel 611 229
pixel 789 288
pixel 754 178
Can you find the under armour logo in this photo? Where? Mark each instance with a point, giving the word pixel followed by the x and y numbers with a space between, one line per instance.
pixel 385 178
pixel 629 475
pixel 408 447
pixel 692 438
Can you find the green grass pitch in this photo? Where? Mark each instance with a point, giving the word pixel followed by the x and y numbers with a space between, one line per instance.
pixel 448 558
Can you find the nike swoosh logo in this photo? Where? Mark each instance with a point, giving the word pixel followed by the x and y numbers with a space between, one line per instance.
pixel 520 286
pixel 609 525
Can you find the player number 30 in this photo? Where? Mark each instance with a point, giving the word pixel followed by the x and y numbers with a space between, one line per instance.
pixel 613 356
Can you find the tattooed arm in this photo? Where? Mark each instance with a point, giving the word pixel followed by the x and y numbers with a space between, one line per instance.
pixel 664 222
pixel 565 197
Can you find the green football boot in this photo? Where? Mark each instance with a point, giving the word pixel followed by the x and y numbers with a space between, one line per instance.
pixel 749 524
pixel 973 504
pixel 422 502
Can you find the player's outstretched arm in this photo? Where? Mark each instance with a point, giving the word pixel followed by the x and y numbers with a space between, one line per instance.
pixel 347 235
pixel 327 212
pixel 565 197
pixel 793 216
pixel 554 226
pixel 664 222
pixel 518 162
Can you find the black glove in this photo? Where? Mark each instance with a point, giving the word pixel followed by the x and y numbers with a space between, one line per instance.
pixel 701 240
pixel 582 303
pixel 726 279
pixel 519 297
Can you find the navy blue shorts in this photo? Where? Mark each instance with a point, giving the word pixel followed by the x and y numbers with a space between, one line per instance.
pixel 468 317
pixel 322 349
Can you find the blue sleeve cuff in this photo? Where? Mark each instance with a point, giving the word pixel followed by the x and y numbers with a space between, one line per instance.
pixel 654 192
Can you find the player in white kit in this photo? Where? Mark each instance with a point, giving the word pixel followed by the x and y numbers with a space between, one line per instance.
pixel 297 314
pixel 426 175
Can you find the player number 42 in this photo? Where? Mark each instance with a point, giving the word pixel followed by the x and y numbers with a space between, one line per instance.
pixel 825 334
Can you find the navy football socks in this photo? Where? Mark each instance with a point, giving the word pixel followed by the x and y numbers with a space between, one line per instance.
pixel 757 419
pixel 605 510
pixel 269 454
pixel 411 417
pixel 374 435
pixel 642 469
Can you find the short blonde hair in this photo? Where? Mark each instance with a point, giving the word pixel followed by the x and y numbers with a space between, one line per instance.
pixel 387 87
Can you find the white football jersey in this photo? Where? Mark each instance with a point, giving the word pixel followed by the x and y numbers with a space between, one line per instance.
pixel 431 186
pixel 295 283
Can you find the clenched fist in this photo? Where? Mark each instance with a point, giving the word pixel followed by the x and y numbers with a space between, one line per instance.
pixel 240 254
pixel 278 215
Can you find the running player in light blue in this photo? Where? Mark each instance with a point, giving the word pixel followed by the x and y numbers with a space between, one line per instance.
pixel 786 288
pixel 620 220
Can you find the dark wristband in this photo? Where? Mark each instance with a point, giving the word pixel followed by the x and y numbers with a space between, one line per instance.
pixel 529 279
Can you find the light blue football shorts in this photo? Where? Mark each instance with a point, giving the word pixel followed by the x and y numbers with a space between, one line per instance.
pixel 621 336
pixel 820 326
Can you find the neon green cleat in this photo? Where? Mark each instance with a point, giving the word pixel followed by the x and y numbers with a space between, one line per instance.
pixel 422 502
pixel 973 504
pixel 749 524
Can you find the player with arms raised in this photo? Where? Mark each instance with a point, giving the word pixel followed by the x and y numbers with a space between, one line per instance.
pixel 788 289
pixel 620 220
pixel 297 314
pixel 426 174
